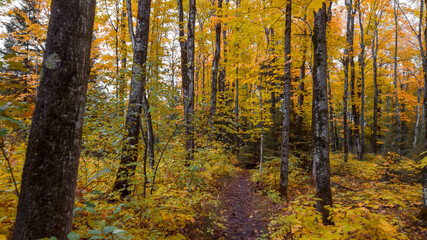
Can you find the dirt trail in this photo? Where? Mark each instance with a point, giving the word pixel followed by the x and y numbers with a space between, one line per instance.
pixel 245 212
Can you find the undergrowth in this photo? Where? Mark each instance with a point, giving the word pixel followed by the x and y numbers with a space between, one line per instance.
pixel 180 205
pixel 377 198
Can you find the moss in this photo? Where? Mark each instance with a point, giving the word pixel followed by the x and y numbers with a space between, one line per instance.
pixel 52 61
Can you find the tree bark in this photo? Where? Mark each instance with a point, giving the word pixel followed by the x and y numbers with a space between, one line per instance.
pixel 188 88
pixel 320 115
pixel 283 189
pixel 46 203
pixel 215 66
pixel 137 100
pixel 376 90
pixel 361 150
pixel 396 97
pixel 424 171
pixel 417 119
pixel 348 52
pixel 236 112
pixel 261 145
pixel 423 58
pixel 123 52
pixel 301 89
pixel 332 122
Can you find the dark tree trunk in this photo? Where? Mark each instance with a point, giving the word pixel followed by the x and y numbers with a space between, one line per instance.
pixel 320 115
pixel 423 214
pixel 261 145
pixel 283 189
pixel 331 118
pixel 188 88
pixel 301 88
pixel 182 44
pixel 424 171
pixel 348 52
pixel 137 100
pixel 215 68
pixel 417 118
pixel 361 150
pixel 376 90
pixel 46 203
pixel 396 97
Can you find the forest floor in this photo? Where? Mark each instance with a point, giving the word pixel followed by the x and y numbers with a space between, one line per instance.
pixel 244 211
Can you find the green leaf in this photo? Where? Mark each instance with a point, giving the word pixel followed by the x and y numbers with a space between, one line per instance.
pixel 89 204
pixel 73 236
pixel 11 122
pixel 108 229
pixel 3 132
pixel 95 231
pixel 96 237
pixel 17 66
pixel 91 210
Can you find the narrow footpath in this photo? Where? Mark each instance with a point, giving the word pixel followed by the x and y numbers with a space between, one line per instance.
pixel 245 213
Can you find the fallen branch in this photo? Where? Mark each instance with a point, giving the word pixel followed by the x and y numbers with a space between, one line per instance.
pixel 341 186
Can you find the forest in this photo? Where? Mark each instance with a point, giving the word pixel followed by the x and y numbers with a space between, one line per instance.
pixel 213 119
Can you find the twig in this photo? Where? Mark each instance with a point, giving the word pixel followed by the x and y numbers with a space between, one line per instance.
pixel 160 159
pixel 398 222
pixel 144 190
pixel 10 169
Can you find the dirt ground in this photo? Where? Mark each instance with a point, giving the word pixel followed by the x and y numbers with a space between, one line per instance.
pixel 244 212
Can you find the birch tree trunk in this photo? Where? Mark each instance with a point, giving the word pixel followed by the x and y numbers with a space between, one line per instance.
pixel 320 115
pixel 49 178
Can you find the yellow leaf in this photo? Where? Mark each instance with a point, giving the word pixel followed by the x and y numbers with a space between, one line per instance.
pixel 3 237
pixel 316 4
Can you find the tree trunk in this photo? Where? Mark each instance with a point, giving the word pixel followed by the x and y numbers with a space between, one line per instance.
pixel 137 98
pixel 320 116
pixel 331 117
pixel 123 51
pixel 215 66
pixel 361 150
pixel 376 90
pixel 283 189
pixel 424 171
pixel 417 119
pixel 189 87
pixel 347 53
pixel 261 145
pixel 423 58
pixel 46 203
pixel 236 112
pixel 301 89
pixel 398 119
